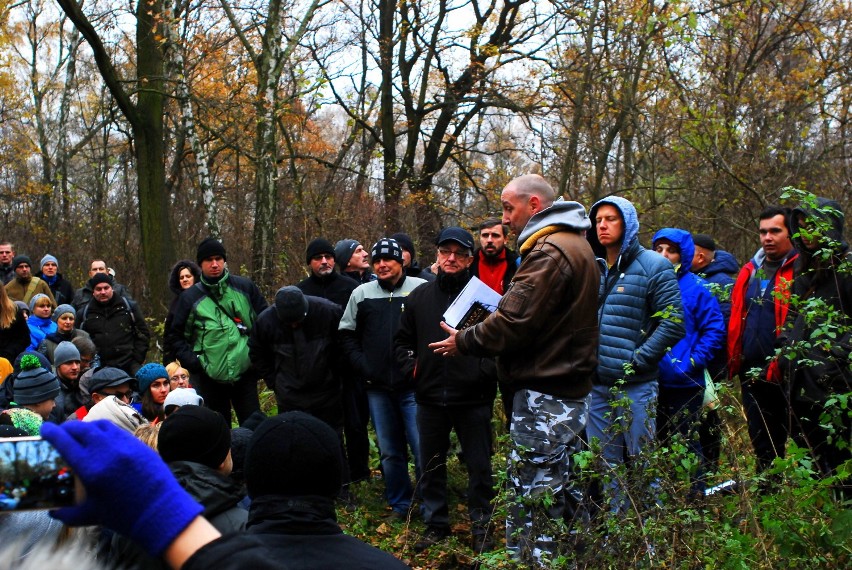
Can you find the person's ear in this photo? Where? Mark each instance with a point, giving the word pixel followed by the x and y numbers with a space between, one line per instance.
pixel 535 203
pixel 227 465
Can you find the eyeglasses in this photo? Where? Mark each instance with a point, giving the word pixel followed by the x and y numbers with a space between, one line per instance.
pixel 128 395
pixel 448 252
pixel 179 377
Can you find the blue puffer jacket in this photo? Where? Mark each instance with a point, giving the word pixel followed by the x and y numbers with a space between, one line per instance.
pixel 639 286
pixel 683 366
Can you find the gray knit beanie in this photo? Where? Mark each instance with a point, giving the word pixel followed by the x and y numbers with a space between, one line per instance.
pixel 61 310
pixel 47 258
pixel 343 251
pixel 65 352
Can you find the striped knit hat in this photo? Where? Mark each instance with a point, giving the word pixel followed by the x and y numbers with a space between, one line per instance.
pixel 34 384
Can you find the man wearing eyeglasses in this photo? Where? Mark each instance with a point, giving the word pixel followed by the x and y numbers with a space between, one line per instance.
pixel 324 281
pixel 105 382
pixel 455 395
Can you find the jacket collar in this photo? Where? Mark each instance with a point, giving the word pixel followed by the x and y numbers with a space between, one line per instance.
pixel 279 514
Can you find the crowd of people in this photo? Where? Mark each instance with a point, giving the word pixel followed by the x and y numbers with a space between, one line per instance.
pixel 595 338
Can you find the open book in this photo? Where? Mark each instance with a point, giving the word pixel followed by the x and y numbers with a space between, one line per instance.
pixel 475 302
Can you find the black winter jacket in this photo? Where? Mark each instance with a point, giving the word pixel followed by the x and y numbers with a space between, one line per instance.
pixel 293 533
pixel 822 364
pixel 121 335
pixel 464 380
pixel 335 287
pixel 15 339
pixel 217 494
pixel 301 365
pixel 63 291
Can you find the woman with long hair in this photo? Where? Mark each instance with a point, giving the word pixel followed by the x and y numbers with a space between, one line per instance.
pixel 153 388
pixel 183 275
pixel 14 333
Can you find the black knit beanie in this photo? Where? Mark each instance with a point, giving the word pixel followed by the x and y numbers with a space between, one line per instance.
pixel 404 241
pixel 317 247
pixel 98 278
pixel 294 454
pixel 197 434
pixel 19 259
pixel 208 248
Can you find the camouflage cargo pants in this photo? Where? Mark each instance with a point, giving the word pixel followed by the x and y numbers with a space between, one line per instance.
pixel 543 502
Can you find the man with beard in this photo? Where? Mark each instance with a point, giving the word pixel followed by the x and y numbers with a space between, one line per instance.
pixel 545 334
pixel 66 363
pixel 455 395
pixel 116 325
pixel 324 281
pixel 25 286
pixel 494 263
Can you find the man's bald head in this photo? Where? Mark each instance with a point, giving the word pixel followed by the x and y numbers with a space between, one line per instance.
pixel 533 185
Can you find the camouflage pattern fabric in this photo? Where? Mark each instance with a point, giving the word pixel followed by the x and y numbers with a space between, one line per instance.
pixel 545 434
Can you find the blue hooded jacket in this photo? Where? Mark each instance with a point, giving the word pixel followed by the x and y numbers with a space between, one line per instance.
pixel 683 366
pixel 637 287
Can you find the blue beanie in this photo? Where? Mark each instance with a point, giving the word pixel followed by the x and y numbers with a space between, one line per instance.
pixel 148 373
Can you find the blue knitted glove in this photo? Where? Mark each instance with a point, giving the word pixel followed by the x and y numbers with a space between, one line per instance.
pixel 128 487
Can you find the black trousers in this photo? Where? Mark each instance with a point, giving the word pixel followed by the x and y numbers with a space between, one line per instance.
pixel 768 414
pixel 219 396
pixel 473 429
pixel 356 418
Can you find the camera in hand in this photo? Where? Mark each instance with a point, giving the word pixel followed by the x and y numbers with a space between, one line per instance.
pixel 33 476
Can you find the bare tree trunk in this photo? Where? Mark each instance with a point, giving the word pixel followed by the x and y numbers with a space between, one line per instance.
pixel 176 67
pixel 62 152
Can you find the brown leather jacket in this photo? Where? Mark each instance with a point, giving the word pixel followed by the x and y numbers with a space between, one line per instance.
pixel 545 329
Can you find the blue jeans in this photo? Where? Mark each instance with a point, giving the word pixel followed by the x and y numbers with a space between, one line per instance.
pixel 623 432
pixel 394 417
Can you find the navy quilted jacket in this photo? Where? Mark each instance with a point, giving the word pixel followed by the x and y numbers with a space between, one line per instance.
pixel 640 314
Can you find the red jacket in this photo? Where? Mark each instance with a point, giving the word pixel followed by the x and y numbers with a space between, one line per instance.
pixel 782 283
